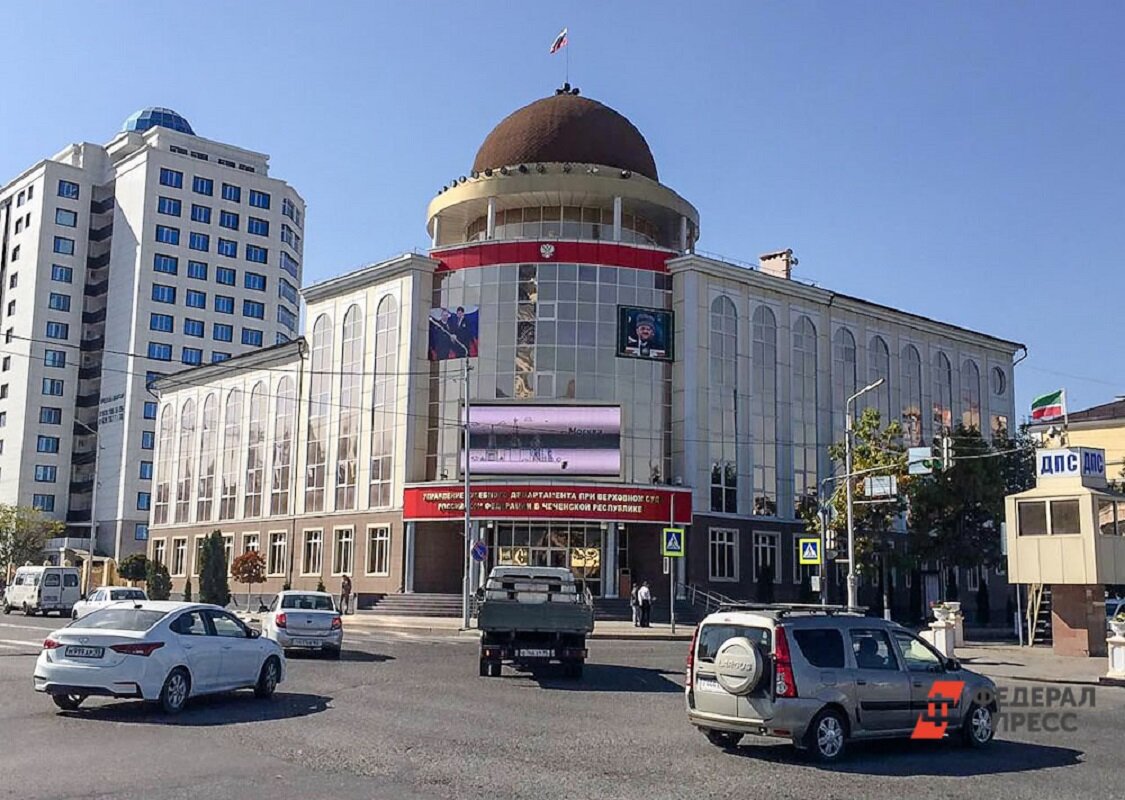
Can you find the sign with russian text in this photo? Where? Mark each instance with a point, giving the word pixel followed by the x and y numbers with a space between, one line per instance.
pixel 1087 463
pixel 608 503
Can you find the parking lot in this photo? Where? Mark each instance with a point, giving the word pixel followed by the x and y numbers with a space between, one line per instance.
pixel 405 715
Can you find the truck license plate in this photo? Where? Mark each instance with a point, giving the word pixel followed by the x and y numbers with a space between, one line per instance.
pixel 74 651
pixel 533 653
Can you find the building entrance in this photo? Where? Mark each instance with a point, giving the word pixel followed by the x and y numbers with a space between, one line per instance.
pixel 577 545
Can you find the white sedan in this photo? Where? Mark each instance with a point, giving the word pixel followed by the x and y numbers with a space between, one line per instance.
pixel 163 652
pixel 100 598
pixel 304 620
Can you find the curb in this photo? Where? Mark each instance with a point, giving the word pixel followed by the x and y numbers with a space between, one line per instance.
pixel 473 633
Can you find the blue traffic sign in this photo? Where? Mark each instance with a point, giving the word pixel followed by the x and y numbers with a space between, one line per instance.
pixel 479 551
pixel 673 543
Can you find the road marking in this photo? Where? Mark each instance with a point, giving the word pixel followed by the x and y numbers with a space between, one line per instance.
pixel 25 627
pixel 20 642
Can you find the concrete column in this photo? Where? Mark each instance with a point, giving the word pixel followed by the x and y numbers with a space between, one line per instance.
pixel 609 561
pixel 437 231
pixel 617 219
pixel 408 557
pixel 681 576
pixel 490 232
pixel 683 234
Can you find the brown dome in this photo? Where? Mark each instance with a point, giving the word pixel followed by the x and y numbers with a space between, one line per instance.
pixel 562 128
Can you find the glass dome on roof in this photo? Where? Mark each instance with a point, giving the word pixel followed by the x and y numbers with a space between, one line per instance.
pixel 154 116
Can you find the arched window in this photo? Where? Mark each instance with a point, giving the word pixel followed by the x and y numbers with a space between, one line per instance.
pixel 255 451
pixel 879 366
pixel 232 437
pixel 763 412
pixel 970 394
pixel 843 378
pixel 320 396
pixel 347 443
pixel 184 478
pixel 943 393
pixel 164 466
pixel 283 445
pixel 723 393
pixel 803 409
pixel 209 442
pixel 911 368
pixel 384 421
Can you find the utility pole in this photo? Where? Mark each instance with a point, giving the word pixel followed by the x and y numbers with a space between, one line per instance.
pixel 853 599
pixel 466 597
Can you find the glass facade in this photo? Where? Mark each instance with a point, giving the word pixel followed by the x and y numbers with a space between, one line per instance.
pixel 942 393
pixel 911 365
pixel 569 222
pixel 578 546
pixel 186 453
pixel 384 403
pixel 232 435
pixel 763 412
pixel 320 400
pixel 255 451
pixel 283 446
pixel 722 405
pixel 803 411
pixel 351 372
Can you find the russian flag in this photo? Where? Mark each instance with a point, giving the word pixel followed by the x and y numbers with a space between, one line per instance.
pixel 560 41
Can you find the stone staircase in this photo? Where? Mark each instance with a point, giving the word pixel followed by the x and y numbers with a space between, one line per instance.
pixel 412 605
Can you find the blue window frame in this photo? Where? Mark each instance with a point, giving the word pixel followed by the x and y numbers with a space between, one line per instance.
pixel 201 214
pixel 196 299
pixel 232 193
pixel 168 205
pixel 259 199
pixel 43 502
pixel 252 280
pixel 160 351
pixel 52 387
pixel 192 356
pixel 228 248
pixel 197 270
pixel 280 338
pixel 199 241
pixel 252 308
pixel 202 185
pixel 49 415
pixel 66 217
pixel 145 472
pixel 287 318
pixel 222 332
pixel 287 291
pixel 151 376
pixel 68 189
pixel 259 255
pixel 224 304
pixel 166 235
pixel 150 409
pixel 147 440
pixel 216 356
pixel 171 177
pixel 64 246
pixel 140 533
pixel 166 264
pixel 258 227
pixel 252 336
pixel 47 444
pixel 58 302
pixel 161 322
pixel 54 358
pixel 226 276
pixel 193 327
pixel 228 219
pixel 289 264
pixel 162 293
pixel 46 473
pixel 62 274
pixel 58 330
pixel 144 501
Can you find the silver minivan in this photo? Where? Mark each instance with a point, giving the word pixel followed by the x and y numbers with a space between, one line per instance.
pixel 823 676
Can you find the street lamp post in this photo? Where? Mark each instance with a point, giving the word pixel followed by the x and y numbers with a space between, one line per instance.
pixel 93 510
pixel 853 599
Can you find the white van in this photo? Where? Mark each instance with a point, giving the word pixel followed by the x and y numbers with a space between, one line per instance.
pixel 43 590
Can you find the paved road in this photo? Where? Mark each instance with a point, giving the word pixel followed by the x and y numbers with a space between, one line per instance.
pixel 406 716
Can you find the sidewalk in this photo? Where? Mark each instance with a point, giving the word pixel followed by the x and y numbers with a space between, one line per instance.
pixel 451 626
pixel 1030 664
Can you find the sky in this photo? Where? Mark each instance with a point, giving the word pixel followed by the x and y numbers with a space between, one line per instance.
pixel 960 160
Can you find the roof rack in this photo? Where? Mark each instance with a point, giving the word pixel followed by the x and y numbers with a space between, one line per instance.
pixel 782 609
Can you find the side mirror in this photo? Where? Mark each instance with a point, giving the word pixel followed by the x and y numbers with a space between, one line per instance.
pixel 952 665
pixel 255 634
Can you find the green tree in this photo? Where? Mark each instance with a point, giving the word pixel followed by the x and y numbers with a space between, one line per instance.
pixel 134 567
pixel 23 535
pixel 187 590
pixel 213 584
pixel 158 582
pixel 249 568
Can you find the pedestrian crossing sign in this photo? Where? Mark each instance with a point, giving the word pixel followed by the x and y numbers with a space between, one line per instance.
pixel 673 543
pixel 810 551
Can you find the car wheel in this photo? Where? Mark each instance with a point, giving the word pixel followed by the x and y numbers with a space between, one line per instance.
pixel 977 729
pixel 494 668
pixel 174 693
pixel 7 609
pixel 68 702
pixel 28 611
pixel 724 739
pixel 268 679
pixel 828 735
pixel 485 671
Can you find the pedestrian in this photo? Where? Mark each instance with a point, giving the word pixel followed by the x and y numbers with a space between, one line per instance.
pixel 644 598
pixel 345 594
pixel 635 607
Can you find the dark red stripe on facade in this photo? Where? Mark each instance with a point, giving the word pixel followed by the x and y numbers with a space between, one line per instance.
pixel 606 253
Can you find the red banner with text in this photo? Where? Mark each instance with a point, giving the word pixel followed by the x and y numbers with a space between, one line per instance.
pixel 533 501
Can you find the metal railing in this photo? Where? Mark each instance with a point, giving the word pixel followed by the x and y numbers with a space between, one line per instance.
pixel 710 601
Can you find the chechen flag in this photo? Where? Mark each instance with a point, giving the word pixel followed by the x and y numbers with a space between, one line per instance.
pixel 1049 406
pixel 560 41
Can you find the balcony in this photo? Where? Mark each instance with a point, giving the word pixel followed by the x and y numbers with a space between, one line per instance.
pixel 82 459
pixel 93 317
pixel 89 345
pixel 86 400
pixel 96 289
pixel 101 234
pixel 81 487
pixel 78 515
pixel 89 373
pixel 102 206
pixel 97 262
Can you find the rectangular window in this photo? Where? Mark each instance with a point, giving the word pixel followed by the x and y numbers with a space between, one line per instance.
pixel 232 193
pixel 58 302
pixel 50 416
pixel 823 648
pixel 259 255
pixel 148 440
pixel 47 444
pixel 179 557
pixel 165 323
pixel 62 274
pixel 275 561
pixel 66 217
pixel 225 276
pixel 252 337
pixel 228 219
pixel 145 472
pixel 197 270
pixel 149 411
pixel 217 356
pixel 11 308
pixel 43 502
pixel 45 473
pixel 379 550
pixel 228 248
pixel 159 351
pixel 64 246
pixel 196 299
pixel 170 177
pixel 170 265
pixel 16 253
pixel 287 291
pixel 192 356
pixel 259 199
pixel 252 280
pixel 58 330
pixel 257 226
pixel 313 552
pixel 1031 518
pixel 1064 518
pixel 144 501
pixel 199 241
pixel 287 318
pixel 159 552
pixel 168 205
pixel 140 533
pixel 289 264
pixel 162 293
pixel 224 304
pixel 222 333
pixel 202 185
pixel 723 554
pixel 68 189
pixel 765 557
pixel 201 214
pixel 19 224
pixel 167 235
pixel 254 309
pixel 343 551
pixel 193 327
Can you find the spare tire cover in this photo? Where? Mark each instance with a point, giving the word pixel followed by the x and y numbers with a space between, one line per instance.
pixel 738 665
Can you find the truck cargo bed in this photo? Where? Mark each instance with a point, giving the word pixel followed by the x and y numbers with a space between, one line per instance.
pixel 512 615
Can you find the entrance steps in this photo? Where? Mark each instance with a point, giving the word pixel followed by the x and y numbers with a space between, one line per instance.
pixel 449 605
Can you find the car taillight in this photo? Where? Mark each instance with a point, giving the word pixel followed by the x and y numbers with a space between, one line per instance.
pixel 691 656
pixel 50 644
pixel 279 620
pixel 784 684
pixel 336 623
pixel 139 649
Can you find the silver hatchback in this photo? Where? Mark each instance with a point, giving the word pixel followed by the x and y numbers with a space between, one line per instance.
pixel 823 676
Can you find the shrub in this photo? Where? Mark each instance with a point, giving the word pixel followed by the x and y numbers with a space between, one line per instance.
pixel 158 582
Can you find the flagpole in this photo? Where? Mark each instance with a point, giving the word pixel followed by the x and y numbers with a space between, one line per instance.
pixel 566 47
pixel 1066 422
